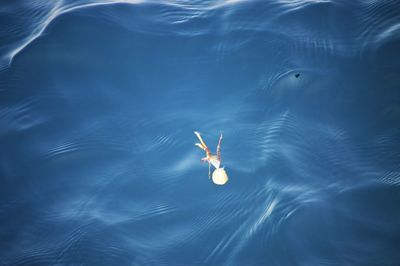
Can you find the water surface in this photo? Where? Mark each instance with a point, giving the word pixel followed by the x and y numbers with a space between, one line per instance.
pixel 99 101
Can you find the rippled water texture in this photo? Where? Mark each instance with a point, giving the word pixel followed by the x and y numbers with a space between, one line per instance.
pixel 99 101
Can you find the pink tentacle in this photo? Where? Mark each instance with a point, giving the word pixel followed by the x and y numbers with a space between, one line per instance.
pixel 219 148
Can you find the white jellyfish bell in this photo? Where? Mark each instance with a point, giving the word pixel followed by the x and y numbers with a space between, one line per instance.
pixel 219 175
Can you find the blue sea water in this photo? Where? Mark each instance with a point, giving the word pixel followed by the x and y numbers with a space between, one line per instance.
pixel 99 101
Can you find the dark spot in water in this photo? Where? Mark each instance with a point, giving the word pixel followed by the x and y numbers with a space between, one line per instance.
pixel 297 75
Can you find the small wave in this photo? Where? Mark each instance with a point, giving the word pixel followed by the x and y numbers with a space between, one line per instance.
pixel 159 143
pixel 391 177
pixel 378 23
pixel 25 115
pixel 40 15
pixel 79 146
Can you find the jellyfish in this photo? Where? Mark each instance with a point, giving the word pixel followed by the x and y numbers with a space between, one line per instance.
pixel 219 176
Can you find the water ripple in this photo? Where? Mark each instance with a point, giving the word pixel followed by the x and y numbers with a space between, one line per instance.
pixel 377 20
pixel 24 115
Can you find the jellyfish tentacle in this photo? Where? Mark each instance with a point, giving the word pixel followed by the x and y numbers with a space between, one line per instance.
pixel 202 144
pixel 219 148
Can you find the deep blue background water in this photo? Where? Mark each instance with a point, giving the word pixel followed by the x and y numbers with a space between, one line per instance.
pixel 99 101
